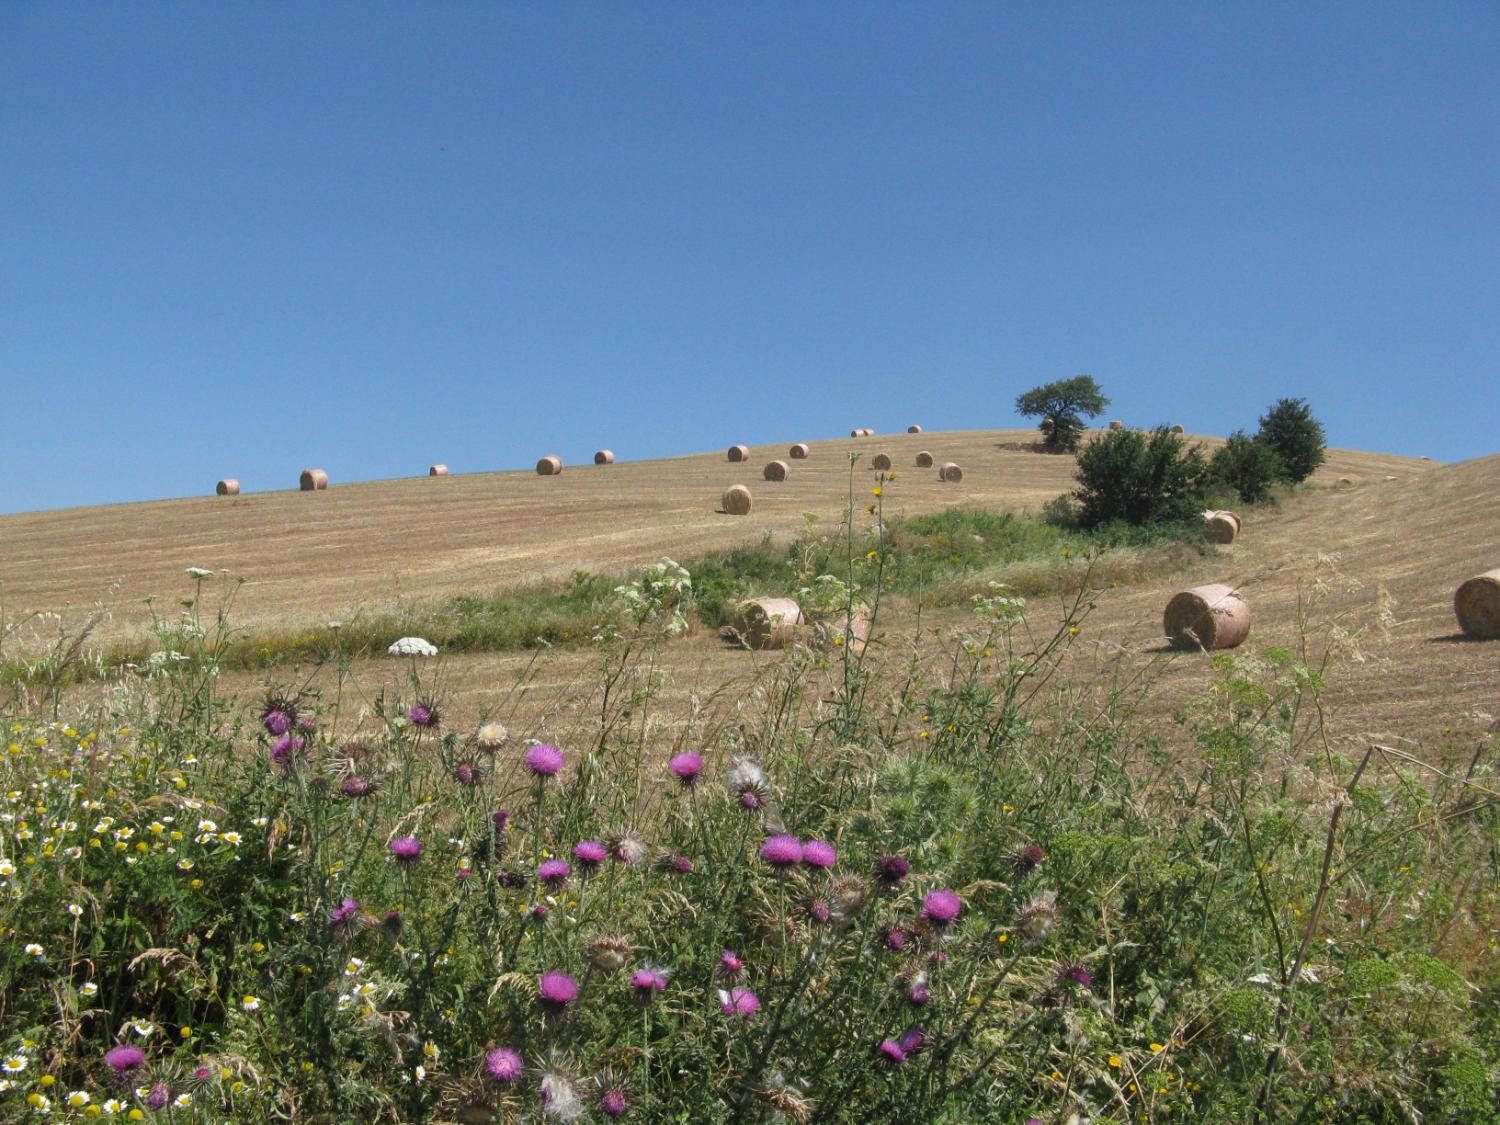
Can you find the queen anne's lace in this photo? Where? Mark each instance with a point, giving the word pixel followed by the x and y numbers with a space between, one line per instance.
pixel 413 646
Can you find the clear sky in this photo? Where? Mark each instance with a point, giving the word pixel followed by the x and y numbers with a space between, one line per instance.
pixel 244 239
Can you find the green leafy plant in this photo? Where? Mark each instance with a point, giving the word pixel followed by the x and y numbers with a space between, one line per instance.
pixel 1139 478
pixel 1062 406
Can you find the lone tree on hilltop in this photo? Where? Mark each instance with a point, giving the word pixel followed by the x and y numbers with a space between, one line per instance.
pixel 1062 407
pixel 1297 437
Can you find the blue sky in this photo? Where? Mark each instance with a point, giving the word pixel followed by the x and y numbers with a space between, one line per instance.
pixel 239 240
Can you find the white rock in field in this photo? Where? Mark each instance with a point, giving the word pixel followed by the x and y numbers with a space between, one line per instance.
pixel 413 646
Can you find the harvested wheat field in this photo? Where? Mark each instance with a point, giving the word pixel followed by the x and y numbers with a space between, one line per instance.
pixel 1396 544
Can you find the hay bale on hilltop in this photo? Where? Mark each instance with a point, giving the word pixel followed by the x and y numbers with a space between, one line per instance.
pixel 950 472
pixel 549 466
pixel 775 470
pixel 313 480
pixel 437 470
pixel 914 429
pixel 924 460
pixel 799 451
pixel 1178 430
pixel 881 461
pixel 1477 604
pixel 769 622
pixel 227 487
pixel 604 457
pixel 736 500
pixel 1207 618
pixel 739 453
pixel 1221 527
pixel 1117 425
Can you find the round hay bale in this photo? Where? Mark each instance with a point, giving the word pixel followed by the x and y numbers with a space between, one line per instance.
pixel 861 433
pixel 950 472
pixel 1117 425
pixel 1343 483
pixel 604 457
pixel 549 466
pixel 798 452
pixel 881 461
pixel 775 470
pixel 1046 426
pixel 1221 527
pixel 769 622
pixel 837 630
pixel 736 500
pixel 1477 604
pixel 313 480
pixel 914 429
pixel 1207 618
pixel 924 460
pixel 739 453
pixel 227 487
pixel 1178 430
pixel 437 471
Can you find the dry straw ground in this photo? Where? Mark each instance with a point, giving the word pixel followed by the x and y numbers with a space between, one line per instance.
pixel 1405 533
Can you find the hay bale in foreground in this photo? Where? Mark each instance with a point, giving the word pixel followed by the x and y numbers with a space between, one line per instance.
pixel 736 500
pixel 739 453
pixel 1207 618
pixel 1221 527
pixel 914 429
pixel 924 460
pixel 437 470
pixel 881 461
pixel 775 470
pixel 604 457
pixel 1477 604
pixel 313 480
pixel 549 466
pixel 769 622
pixel 227 487
pixel 1117 425
pixel 950 472
pixel 798 452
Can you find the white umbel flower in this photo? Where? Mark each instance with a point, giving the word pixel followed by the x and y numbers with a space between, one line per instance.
pixel 413 646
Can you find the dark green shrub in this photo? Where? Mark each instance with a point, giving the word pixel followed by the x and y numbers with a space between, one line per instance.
pixel 1247 465
pixel 1297 437
pixel 1140 478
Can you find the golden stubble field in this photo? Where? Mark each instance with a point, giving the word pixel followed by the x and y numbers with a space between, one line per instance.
pixel 1404 533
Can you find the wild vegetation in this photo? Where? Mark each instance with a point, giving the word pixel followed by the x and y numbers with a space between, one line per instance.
pixel 872 889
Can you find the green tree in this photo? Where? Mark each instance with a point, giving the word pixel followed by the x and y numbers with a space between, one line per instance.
pixel 1140 478
pixel 1062 406
pixel 1297 437
pixel 1248 465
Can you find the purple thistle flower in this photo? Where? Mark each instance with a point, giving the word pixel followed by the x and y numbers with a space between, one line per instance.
pixel 277 722
pixel 730 965
pixel 466 774
pixel 503 1065
pixel 344 911
pixel 941 907
pixel 500 818
pixel 819 911
pixel 159 1096
pixel 648 984
pixel 553 873
pixel 284 747
pixel 124 1058
pixel 675 865
pixel 894 939
pixel 539 913
pixel 889 1053
pixel 406 849
pixel 782 852
pixel 590 854
pixel 739 1002
pixel 686 768
pixel 819 853
pixel 1073 972
pixel 749 799
pixel 891 870
pixel 556 990
pixel 1027 858
pixel 912 1040
pixel 306 722
pixel 918 992
pixel 419 715
pixel 544 760
pixel 356 787
pixel 613 1102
